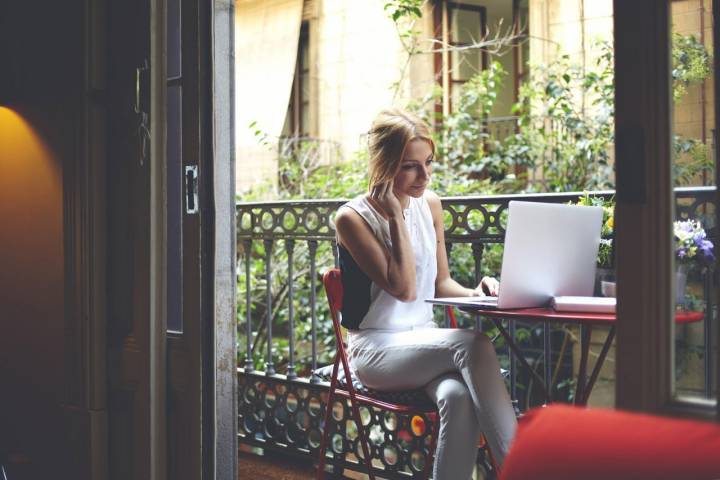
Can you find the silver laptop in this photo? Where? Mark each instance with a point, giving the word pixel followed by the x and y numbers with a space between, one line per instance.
pixel 550 250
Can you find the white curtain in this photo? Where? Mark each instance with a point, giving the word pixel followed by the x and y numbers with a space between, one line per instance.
pixel 266 43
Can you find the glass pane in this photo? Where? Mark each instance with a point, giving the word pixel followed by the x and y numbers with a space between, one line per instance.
pixel 695 230
pixel 174 209
pixel 304 53
pixel 466 26
pixel 304 87
pixel 304 119
pixel 465 64
pixel 174 47
pixel 524 28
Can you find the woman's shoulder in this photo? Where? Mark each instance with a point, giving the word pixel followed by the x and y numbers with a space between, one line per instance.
pixel 433 201
pixel 353 207
pixel 431 197
pixel 355 211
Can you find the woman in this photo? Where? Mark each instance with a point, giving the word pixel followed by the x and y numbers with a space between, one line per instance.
pixel 392 257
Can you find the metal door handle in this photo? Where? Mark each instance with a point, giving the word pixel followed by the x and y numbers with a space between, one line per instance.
pixel 191 189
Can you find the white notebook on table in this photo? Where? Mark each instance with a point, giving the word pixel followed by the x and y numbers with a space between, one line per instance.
pixel 584 304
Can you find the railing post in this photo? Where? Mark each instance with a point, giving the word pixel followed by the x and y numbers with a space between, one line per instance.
pixel 312 248
pixel 269 367
pixel 513 362
pixel 477 249
pixel 708 333
pixel 249 367
pixel 547 353
pixel 334 244
pixel 290 248
pixel 448 249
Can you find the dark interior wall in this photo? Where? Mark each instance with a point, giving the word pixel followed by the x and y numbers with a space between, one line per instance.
pixel 40 92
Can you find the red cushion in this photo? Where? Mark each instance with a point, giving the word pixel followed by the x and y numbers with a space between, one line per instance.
pixel 563 442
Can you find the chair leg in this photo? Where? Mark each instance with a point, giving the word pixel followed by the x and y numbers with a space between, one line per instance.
pixel 361 434
pixel 323 442
pixel 326 429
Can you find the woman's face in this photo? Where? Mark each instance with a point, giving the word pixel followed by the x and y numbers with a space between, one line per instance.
pixel 415 168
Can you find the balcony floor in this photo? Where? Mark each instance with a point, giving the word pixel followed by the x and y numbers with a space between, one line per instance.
pixel 272 467
pixel 278 467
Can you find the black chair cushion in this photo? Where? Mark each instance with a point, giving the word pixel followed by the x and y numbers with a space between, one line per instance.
pixel 415 398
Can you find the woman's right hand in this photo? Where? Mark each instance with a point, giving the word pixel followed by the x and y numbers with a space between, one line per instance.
pixel 382 194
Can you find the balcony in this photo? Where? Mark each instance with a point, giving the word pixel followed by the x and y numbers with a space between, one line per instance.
pixel 284 331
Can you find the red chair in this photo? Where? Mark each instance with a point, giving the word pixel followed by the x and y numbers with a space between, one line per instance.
pixel 562 442
pixel 332 280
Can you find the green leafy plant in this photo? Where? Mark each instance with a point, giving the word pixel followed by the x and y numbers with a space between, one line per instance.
pixel 399 9
pixel 607 232
pixel 691 160
pixel 564 128
pixel 566 114
pixel 691 62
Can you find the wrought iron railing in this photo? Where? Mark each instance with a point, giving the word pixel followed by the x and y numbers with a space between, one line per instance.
pixel 284 329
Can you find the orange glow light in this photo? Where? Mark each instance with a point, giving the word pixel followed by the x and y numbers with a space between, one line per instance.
pixel 31 208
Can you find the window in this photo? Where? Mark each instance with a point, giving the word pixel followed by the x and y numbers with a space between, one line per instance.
pixel 459 26
pixel 467 25
pixel 646 124
pixel 521 51
pixel 297 120
pixel 693 125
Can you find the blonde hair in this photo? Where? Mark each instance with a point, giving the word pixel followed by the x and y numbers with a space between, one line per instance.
pixel 388 138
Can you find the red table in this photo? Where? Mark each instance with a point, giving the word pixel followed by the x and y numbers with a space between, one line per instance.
pixel 586 321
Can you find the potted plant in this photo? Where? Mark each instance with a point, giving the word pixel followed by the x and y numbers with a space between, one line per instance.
pixel 605 272
pixel 692 250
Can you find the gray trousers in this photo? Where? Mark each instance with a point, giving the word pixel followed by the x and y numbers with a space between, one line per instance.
pixel 460 372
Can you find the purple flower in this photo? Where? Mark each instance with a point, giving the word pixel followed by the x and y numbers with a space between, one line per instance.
pixel 707 248
pixel 691 242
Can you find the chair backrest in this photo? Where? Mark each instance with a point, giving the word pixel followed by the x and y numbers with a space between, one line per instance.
pixel 332 281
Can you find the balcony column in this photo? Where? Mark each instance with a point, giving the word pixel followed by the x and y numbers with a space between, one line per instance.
pixel 247 246
pixel 269 367
pixel 312 248
pixel 290 248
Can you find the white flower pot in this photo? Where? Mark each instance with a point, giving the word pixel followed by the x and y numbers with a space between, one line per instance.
pixel 680 284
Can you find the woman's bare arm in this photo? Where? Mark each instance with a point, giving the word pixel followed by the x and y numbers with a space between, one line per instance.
pixel 445 286
pixel 393 271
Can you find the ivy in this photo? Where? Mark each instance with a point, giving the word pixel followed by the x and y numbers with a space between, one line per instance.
pixel 404 9
pixel 691 62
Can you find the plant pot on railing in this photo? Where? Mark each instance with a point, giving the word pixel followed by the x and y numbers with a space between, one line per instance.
pixel 604 275
pixel 680 283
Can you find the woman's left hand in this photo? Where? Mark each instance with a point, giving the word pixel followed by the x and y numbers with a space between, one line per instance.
pixel 488 286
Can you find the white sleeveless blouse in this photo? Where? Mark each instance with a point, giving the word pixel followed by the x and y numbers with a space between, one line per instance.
pixel 387 312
